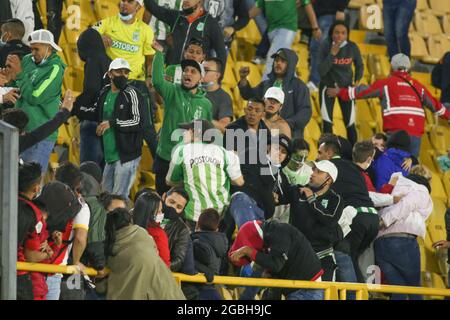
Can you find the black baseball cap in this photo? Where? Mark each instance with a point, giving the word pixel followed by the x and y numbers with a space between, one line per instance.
pixel 280 53
pixel 192 63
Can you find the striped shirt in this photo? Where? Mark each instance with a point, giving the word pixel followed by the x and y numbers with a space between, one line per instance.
pixel 206 171
pixel 160 28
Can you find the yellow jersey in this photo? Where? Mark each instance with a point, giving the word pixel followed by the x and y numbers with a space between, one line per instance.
pixel 129 41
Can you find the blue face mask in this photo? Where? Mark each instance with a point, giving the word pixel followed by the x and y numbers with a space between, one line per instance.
pixel 2 42
pixel 126 17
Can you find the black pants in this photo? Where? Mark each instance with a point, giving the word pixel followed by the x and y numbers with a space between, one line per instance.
pixel 148 118
pixel 348 113
pixel 160 169
pixel 54 17
pixel 24 287
pixel 365 227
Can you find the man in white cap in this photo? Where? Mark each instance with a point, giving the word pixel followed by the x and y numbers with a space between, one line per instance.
pixel 316 210
pixel 402 100
pixel 273 101
pixel 119 110
pixel 39 78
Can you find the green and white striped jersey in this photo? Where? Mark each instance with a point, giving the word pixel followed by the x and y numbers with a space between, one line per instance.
pixel 160 28
pixel 206 171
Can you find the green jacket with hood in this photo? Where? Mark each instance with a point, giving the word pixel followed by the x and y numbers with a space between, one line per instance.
pixel 180 106
pixel 40 90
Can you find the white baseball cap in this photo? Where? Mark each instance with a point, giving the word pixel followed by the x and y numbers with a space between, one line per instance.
pixel 275 93
pixel 328 167
pixel 43 36
pixel 400 61
pixel 119 63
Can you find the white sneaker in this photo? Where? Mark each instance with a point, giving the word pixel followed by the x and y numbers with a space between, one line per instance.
pixel 312 87
pixel 258 60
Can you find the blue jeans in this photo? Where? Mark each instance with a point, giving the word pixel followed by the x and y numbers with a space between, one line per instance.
pixel 244 209
pixel 397 16
pixel 39 153
pixel 250 291
pixel 118 177
pixel 90 143
pixel 306 294
pixel 325 23
pixel 54 286
pixel 279 38
pixel 415 145
pixel 399 261
pixel 345 271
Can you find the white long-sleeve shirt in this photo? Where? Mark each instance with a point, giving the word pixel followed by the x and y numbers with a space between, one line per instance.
pixel 411 212
pixel 23 10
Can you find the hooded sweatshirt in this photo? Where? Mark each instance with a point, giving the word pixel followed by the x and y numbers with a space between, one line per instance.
pixel 92 52
pixel 297 104
pixel 40 90
pixel 180 106
pixel 209 250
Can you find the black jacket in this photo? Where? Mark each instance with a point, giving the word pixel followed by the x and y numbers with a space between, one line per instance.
pixel 29 139
pixel 179 237
pixel 12 46
pixel 92 51
pixel 209 250
pixel 318 218
pixel 297 104
pixel 327 7
pixel 289 254
pixel 126 121
pixel 350 184
pixel 440 80
pixel 205 28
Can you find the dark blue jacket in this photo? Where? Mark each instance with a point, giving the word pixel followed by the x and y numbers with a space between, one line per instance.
pixel 386 164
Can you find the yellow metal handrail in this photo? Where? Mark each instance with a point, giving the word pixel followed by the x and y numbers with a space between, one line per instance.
pixel 332 290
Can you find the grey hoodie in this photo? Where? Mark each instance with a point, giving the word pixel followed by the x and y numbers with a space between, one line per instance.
pixel 297 104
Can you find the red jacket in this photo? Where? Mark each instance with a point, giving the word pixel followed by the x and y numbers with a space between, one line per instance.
pixel 402 108
pixel 162 242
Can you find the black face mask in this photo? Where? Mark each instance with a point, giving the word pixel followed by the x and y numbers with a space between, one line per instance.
pixel 120 82
pixel 188 89
pixel 316 189
pixel 170 213
pixel 188 11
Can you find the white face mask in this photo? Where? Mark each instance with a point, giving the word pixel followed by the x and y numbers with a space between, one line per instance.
pixel 127 17
pixel 299 177
pixel 159 217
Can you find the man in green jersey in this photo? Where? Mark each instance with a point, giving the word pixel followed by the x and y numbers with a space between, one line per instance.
pixel 182 103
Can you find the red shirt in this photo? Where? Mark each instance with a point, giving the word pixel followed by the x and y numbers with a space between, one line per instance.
pixel 369 183
pixel 162 242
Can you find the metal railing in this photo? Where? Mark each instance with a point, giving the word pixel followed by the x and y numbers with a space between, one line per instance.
pixel 332 290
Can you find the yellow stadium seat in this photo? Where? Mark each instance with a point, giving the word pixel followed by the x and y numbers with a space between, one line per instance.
pixel 446 182
pixel 433 280
pixel 378 66
pixel 436 221
pixel 438 45
pixel 439 7
pixel 42 9
pixel 446 25
pixel 105 8
pixel 303 74
pixel 427 24
pixel 228 78
pixel 339 128
pixel 73 78
pixel 250 33
pixel 423 77
pixel 254 76
pixel 372 49
pixel 312 130
pixel 233 51
pixel 358 36
pixel 81 11
pixel 438 139
pixel 422 5
pixel 312 149
pixel 365 131
pixel 418 46
pixel 337 112
pixel 437 188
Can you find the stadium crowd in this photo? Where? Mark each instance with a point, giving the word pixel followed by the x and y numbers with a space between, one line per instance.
pixel 232 196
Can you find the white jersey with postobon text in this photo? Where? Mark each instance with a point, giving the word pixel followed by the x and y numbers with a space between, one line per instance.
pixel 206 171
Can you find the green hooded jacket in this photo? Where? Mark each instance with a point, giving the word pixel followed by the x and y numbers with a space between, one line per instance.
pixel 180 106
pixel 40 90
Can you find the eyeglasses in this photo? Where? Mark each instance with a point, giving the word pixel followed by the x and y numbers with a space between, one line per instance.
pixel 210 70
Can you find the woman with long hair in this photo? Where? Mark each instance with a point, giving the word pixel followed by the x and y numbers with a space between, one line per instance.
pixel 147 213
pixel 136 271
